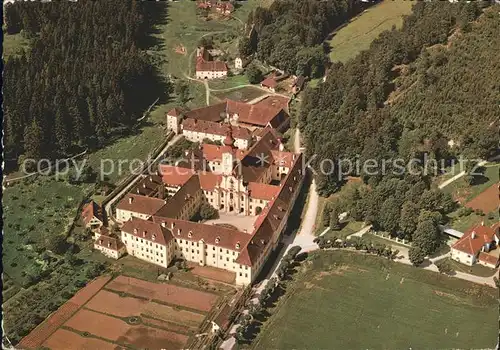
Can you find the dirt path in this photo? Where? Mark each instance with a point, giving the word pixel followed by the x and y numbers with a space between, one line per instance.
pixel 404 259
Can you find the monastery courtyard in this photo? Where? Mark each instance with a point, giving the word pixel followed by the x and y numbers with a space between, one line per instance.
pixel 238 221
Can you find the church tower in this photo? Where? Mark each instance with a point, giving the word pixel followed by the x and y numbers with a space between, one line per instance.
pixel 228 153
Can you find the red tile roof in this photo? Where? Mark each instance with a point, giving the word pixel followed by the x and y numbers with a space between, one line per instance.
pixel 272 216
pixel 489 259
pixel 256 114
pixel 215 112
pixel 269 82
pixel 284 159
pixel 208 180
pixel 109 242
pixel 175 204
pixel 215 128
pixel 140 204
pixel 259 190
pixel 175 112
pixel 468 244
pixel 211 234
pixel 148 230
pixel 91 210
pixel 150 186
pixel 210 66
pixel 175 176
pixel 214 152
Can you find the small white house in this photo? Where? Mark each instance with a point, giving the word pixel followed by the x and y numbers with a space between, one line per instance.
pixel 238 63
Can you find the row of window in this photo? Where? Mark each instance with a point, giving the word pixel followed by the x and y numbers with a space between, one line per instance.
pixel 162 261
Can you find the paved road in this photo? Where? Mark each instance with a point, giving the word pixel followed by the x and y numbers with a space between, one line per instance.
pixel 458 176
pixel 137 178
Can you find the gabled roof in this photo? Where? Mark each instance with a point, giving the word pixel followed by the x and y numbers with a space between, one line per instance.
pixel 147 186
pixel 260 115
pixel 175 176
pixel 256 114
pixel 215 128
pixel 90 211
pixel 109 242
pixel 487 258
pixel 474 239
pixel 208 180
pixel 223 237
pixel 258 190
pixel 258 158
pixel 176 203
pixel 272 216
pixel 214 152
pixel 211 66
pixel 215 112
pixel 175 112
pixel 148 230
pixel 269 82
pixel 140 204
pixel 282 158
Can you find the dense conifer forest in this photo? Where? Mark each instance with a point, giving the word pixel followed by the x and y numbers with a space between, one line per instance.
pixel 290 34
pixel 411 93
pixel 83 79
pixel 407 97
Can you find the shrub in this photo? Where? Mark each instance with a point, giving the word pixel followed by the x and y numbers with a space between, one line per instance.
pixel 207 212
pixel 479 212
pixel 416 255
pixel 254 74
pixel 445 267
pixel 464 211
pixel 56 243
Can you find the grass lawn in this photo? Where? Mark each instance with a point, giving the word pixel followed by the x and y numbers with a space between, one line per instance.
pixel 478 270
pixel 229 82
pixel 464 192
pixel 377 239
pixel 127 149
pixel 314 82
pixel 34 210
pixel 338 199
pixel 358 34
pixel 184 27
pixel 349 228
pixel 14 44
pixel 344 300
pixel 463 223
pixel 243 94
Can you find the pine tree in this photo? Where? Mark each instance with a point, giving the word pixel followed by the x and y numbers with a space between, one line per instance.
pixel 62 133
pixel 33 137
pixel 102 125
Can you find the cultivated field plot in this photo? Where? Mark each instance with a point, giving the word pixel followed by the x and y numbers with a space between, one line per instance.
pixel 212 273
pixel 358 34
pixel 244 94
pixel 58 318
pixel 351 301
pixel 122 313
pixel 275 101
pixel 487 201
pixel 167 293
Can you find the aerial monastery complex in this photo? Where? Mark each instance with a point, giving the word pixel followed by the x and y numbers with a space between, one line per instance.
pixel 245 174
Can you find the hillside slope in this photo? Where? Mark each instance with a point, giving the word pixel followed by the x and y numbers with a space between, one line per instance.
pixel 450 91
